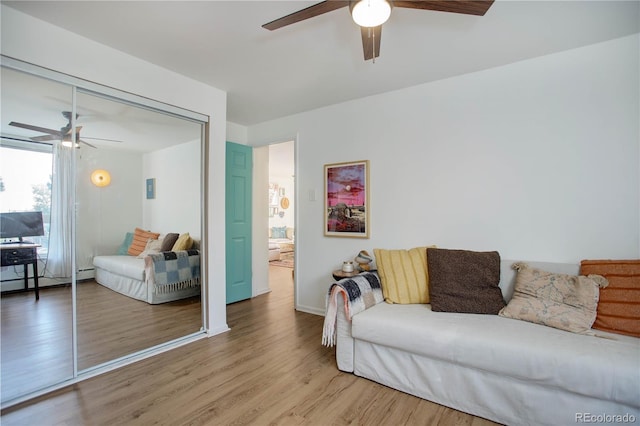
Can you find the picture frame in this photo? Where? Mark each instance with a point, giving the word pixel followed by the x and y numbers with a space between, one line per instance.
pixel 346 199
pixel 151 188
pixel 274 198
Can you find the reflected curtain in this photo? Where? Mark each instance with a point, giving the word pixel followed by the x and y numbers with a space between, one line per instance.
pixel 59 259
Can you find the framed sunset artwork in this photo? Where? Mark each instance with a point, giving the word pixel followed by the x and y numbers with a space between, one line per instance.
pixel 346 199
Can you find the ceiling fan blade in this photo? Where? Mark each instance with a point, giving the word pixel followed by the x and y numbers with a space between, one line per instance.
pixel 103 139
pixel 45 138
pixel 87 143
pixel 36 128
pixel 370 41
pixel 309 12
pixel 468 7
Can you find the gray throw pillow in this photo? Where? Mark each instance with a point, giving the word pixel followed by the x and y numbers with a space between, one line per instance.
pixel 464 281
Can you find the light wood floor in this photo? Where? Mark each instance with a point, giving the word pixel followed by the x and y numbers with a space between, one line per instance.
pixel 270 369
pixel 36 336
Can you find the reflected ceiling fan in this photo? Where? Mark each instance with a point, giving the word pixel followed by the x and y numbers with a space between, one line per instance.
pixel 371 14
pixel 64 134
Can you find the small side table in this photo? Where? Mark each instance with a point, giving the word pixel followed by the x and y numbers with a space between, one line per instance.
pixel 339 274
pixel 22 254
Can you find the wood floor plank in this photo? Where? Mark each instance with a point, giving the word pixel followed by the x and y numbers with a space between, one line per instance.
pixel 37 336
pixel 270 369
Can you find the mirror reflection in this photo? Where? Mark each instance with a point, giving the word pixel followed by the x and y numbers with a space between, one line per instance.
pixel 122 222
pixel 138 220
pixel 36 334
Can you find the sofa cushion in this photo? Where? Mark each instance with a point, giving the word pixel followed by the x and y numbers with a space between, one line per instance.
pixel 403 275
pixel 567 302
pixel 519 349
pixel 464 281
pixel 168 241
pixel 128 266
pixel 278 232
pixel 152 247
pixel 619 305
pixel 124 247
pixel 140 238
pixel 184 242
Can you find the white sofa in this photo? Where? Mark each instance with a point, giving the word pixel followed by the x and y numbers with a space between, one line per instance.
pixel 505 370
pixel 278 246
pixel 138 277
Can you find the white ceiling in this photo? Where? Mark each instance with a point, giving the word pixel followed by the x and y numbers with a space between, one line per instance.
pixel 318 62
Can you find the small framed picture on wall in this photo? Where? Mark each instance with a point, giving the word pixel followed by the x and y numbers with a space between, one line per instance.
pixel 151 188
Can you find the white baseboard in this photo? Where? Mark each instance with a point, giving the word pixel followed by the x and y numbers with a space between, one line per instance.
pixel 310 310
pixel 17 283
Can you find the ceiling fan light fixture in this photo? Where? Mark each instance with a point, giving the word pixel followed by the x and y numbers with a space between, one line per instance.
pixel 68 144
pixel 371 13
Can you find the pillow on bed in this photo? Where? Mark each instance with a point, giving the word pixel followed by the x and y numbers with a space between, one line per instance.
pixel 464 281
pixel 169 241
pixel 140 238
pixel 279 232
pixel 152 247
pixel 403 275
pixel 567 302
pixel 619 304
pixel 184 242
pixel 128 238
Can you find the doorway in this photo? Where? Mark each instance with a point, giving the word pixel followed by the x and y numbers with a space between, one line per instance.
pixel 281 212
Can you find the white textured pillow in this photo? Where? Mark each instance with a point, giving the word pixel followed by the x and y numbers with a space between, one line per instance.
pixel 152 247
pixel 567 302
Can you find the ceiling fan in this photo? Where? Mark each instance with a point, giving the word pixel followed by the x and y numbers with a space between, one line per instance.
pixel 64 134
pixel 371 14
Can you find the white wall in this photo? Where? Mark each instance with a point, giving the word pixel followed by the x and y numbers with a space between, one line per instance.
pixel 38 42
pixel 236 133
pixel 176 207
pixel 105 215
pixel 538 160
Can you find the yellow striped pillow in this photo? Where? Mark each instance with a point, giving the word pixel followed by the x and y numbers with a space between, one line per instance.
pixel 403 275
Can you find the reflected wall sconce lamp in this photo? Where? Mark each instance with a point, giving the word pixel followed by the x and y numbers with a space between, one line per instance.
pixel 100 178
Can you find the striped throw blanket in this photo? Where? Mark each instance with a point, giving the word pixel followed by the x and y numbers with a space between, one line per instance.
pixel 173 270
pixel 359 293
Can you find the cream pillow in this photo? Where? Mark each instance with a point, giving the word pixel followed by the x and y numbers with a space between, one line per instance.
pixel 403 275
pixel 184 242
pixel 567 302
pixel 153 246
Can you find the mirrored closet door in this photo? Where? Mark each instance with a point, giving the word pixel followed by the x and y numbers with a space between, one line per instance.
pixel 119 183
pixel 36 335
pixel 136 168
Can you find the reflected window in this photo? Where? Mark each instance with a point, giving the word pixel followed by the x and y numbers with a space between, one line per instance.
pixel 25 184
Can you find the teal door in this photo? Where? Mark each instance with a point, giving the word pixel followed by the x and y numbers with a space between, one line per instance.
pixel 239 165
